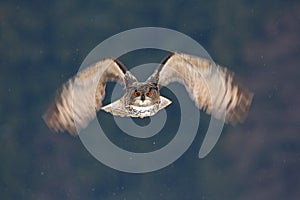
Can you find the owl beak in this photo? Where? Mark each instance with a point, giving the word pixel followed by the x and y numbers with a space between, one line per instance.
pixel 143 97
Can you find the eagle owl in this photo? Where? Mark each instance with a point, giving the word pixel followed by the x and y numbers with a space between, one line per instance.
pixel 211 86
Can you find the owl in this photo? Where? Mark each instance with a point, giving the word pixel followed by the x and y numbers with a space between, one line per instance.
pixel 212 88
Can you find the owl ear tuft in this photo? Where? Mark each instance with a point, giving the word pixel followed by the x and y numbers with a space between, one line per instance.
pixel 129 79
pixel 154 78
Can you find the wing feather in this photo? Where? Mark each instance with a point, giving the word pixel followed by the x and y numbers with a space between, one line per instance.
pixel 212 87
pixel 76 102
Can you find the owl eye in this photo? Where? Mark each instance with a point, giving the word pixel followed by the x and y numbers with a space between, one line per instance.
pixel 136 93
pixel 149 94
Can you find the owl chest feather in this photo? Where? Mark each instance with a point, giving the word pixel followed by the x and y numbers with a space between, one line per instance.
pixel 142 111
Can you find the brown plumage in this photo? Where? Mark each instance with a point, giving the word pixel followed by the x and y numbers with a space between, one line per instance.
pixel 81 95
pixel 211 86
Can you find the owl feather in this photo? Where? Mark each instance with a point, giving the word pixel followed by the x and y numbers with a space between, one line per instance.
pixel 81 96
pixel 212 87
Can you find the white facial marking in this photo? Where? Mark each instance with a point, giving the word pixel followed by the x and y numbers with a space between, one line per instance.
pixel 142 109
pixel 142 103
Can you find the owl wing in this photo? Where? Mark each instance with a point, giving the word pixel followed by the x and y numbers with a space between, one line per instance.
pixel 75 102
pixel 211 86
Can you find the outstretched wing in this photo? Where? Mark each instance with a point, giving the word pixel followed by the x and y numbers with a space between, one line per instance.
pixel 75 102
pixel 211 86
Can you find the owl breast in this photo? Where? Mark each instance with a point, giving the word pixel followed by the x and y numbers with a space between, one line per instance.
pixel 142 111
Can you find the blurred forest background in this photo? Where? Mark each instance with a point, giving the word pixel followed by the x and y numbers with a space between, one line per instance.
pixel 43 43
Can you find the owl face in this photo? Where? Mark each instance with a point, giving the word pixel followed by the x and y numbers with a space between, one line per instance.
pixel 143 94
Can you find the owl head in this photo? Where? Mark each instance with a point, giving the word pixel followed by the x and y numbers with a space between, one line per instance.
pixel 141 99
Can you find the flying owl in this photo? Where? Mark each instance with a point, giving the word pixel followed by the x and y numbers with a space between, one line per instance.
pixel 211 86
